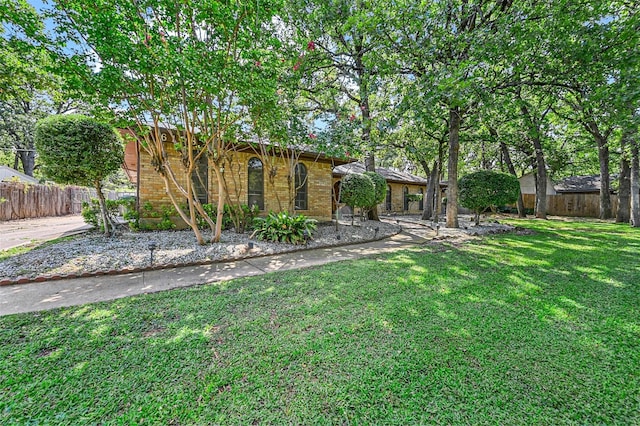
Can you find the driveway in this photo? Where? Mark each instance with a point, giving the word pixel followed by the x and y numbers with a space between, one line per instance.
pixel 14 233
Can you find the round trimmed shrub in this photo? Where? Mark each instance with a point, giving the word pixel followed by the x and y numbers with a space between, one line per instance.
pixel 358 190
pixel 380 184
pixel 484 189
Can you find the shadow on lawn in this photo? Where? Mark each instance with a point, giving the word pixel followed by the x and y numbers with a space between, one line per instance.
pixel 516 327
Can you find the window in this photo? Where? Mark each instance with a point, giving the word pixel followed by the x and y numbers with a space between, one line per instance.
pixel 200 178
pixel 255 186
pixel 301 187
pixel 405 193
pixel 388 202
pixel 421 204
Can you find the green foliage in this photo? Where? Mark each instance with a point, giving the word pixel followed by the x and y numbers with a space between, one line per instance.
pixel 415 197
pixel 551 339
pixel 283 227
pixel 358 190
pixel 481 190
pixel 75 149
pixel 130 213
pixel 239 217
pixel 91 212
pixel 165 215
pixel 380 185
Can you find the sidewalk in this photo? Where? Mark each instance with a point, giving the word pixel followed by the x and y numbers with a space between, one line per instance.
pixel 77 291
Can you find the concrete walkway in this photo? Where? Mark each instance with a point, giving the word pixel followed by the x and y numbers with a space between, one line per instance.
pixel 77 291
pixel 19 232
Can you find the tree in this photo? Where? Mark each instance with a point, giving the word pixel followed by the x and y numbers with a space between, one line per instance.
pixel 357 190
pixel 342 63
pixel 75 149
pixel 484 189
pixel 209 71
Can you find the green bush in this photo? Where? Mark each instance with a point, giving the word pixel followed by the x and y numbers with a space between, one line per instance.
pixel 239 217
pixel 380 186
pixel 283 227
pixel 164 224
pixel 79 150
pixel 91 212
pixel 485 189
pixel 358 190
pixel 130 213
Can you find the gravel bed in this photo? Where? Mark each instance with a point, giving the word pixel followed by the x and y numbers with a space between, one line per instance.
pixel 92 252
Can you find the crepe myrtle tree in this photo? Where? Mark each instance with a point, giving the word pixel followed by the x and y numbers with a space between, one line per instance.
pixel 79 150
pixel 357 190
pixel 484 189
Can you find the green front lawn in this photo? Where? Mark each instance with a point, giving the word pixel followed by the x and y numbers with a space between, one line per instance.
pixel 533 329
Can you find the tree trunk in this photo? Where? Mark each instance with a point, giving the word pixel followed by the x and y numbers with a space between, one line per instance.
pixel 28 160
pixel 623 215
pixel 106 221
pixel 603 159
pixel 370 165
pixel 605 184
pixel 635 183
pixel 512 170
pixel 452 168
pixel 541 180
pixel 429 199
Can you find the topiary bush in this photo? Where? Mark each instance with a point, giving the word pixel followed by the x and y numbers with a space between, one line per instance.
pixel 284 228
pixel 75 149
pixel 380 186
pixel 357 190
pixel 484 189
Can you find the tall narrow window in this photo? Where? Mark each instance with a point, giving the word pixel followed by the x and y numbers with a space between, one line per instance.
pixel 421 203
pixel 200 179
pixel 255 187
pixel 405 196
pixel 388 203
pixel 301 187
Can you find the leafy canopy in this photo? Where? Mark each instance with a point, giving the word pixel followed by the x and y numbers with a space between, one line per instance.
pixel 358 190
pixel 380 185
pixel 75 149
pixel 484 189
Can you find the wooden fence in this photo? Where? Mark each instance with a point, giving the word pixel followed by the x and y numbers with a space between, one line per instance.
pixel 21 201
pixel 572 204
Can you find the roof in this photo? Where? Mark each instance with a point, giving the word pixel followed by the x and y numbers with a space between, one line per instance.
pixel 7 173
pixel 388 174
pixel 130 164
pixel 589 183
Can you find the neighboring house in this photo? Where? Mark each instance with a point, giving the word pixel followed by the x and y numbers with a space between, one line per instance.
pixel 8 174
pixel 528 185
pixel 583 184
pixel 399 186
pixel 251 178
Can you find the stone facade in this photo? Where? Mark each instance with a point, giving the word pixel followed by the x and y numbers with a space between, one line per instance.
pixel 278 193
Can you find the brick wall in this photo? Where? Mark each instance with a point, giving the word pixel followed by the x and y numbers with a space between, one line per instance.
pixel 277 195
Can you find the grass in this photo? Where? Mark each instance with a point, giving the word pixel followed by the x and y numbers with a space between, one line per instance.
pixel 535 329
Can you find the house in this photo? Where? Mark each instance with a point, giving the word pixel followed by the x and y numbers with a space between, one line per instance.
pixel 400 187
pixel 528 184
pixel 9 174
pixel 583 184
pixel 271 179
